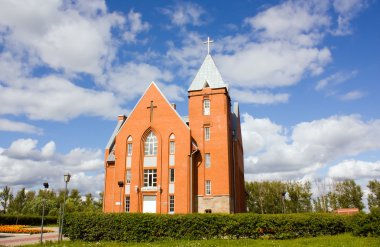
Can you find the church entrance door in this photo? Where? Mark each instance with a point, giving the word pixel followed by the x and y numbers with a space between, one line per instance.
pixel 149 204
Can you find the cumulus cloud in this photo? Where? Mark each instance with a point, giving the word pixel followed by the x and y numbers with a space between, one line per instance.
pixel 185 13
pixel 355 169
pixel 259 97
pixel 55 98
pixel 347 10
pixel 270 149
pixel 135 25
pixel 13 126
pixel 28 165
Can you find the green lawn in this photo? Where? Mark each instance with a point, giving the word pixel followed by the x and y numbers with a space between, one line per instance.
pixel 338 240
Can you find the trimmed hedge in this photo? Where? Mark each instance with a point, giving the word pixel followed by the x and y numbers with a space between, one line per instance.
pixel 367 224
pixel 152 227
pixel 27 220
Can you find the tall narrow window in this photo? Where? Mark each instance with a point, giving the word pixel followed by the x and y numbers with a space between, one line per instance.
pixel 208 187
pixel 206 107
pixel 171 175
pixel 150 177
pixel 129 147
pixel 207 133
pixel 171 204
pixel 171 147
pixel 127 204
pixel 208 160
pixel 128 177
pixel 151 145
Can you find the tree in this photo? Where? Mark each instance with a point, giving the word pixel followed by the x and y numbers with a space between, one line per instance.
pixel 6 198
pixel 299 197
pixel 348 194
pixel 18 203
pixel 374 195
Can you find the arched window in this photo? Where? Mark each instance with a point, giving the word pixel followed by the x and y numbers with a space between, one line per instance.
pixel 129 146
pixel 151 145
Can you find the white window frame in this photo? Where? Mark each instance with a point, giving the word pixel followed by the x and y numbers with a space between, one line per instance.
pixel 150 177
pixel 171 203
pixel 172 147
pixel 150 147
pixel 129 148
pixel 171 175
pixel 127 204
pixel 206 107
pixel 207 133
pixel 128 176
pixel 207 160
pixel 208 187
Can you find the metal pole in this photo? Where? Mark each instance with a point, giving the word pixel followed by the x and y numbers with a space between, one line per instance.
pixel 42 221
pixel 120 201
pixel 63 212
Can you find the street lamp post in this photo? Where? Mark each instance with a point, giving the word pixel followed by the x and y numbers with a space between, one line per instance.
pixel 66 178
pixel 283 202
pixel 46 186
pixel 121 184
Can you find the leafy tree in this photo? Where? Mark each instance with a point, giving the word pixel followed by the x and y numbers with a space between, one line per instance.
pixel 374 196
pixel 299 197
pixel 6 198
pixel 18 203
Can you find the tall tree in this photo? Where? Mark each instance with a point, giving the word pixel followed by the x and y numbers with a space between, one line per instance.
pixel 6 198
pixel 349 194
pixel 374 195
pixel 18 203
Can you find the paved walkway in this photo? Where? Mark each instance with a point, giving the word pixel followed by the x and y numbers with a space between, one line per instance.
pixel 23 239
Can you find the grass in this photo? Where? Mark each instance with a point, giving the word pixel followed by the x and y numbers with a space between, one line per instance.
pixel 346 240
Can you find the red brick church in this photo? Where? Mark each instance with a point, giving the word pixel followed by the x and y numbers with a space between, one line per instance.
pixel 158 161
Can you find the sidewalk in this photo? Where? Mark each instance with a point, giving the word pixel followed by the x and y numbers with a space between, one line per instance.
pixel 23 239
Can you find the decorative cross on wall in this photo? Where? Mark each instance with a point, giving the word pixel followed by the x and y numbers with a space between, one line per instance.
pixel 151 107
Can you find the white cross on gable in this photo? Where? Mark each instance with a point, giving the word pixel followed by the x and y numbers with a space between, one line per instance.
pixel 208 42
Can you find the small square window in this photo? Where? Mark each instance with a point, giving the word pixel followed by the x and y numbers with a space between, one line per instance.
pixel 171 175
pixel 127 204
pixel 128 177
pixel 208 187
pixel 206 107
pixel 150 177
pixel 208 160
pixel 207 133
pixel 171 204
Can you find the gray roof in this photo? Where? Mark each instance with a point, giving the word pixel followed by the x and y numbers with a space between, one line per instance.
pixel 208 73
pixel 113 136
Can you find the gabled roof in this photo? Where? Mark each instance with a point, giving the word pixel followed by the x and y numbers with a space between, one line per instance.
pixel 113 136
pixel 208 75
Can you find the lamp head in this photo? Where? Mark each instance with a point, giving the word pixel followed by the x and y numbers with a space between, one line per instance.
pixel 120 183
pixel 46 185
pixel 67 177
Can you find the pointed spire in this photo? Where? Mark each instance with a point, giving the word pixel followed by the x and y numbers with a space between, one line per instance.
pixel 209 75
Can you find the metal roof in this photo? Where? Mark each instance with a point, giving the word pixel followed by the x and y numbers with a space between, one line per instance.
pixel 208 73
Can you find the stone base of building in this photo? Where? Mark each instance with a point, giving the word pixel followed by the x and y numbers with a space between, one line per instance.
pixel 214 204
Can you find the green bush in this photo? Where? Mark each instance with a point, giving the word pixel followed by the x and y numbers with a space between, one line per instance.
pixel 27 220
pixel 366 224
pixel 152 227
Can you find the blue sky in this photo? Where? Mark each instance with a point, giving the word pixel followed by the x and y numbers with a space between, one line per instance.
pixel 306 75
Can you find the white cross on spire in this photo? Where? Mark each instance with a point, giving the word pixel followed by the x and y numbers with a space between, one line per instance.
pixel 208 42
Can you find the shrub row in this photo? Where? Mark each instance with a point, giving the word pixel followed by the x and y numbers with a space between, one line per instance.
pixel 27 220
pixel 366 224
pixel 151 227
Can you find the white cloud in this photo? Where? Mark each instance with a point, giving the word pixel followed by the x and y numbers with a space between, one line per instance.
pixel 8 125
pixel 347 10
pixel 54 98
pixel 55 33
pixel 134 26
pixel 259 97
pixel 270 150
pixel 355 169
pixel 30 166
pixel 185 13
pixel 353 95
pixel 335 79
